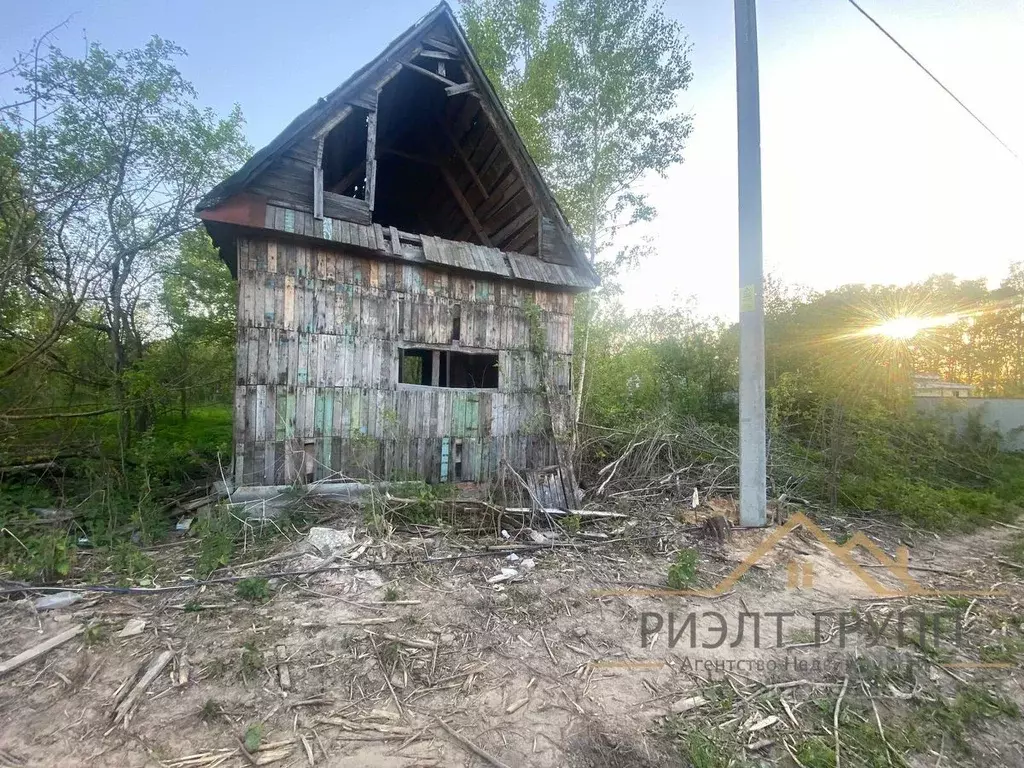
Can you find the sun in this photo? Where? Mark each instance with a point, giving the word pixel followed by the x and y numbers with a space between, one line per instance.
pixel 907 327
pixel 902 327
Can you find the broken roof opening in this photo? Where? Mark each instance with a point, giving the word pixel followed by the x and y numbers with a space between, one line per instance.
pixel 445 161
pixel 344 158
pixel 442 168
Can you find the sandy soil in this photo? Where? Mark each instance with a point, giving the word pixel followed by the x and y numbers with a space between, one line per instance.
pixel 546 670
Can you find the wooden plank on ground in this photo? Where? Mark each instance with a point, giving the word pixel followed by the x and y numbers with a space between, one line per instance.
pixel 40 650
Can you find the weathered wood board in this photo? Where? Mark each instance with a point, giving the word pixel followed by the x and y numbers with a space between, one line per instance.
pixel 317 387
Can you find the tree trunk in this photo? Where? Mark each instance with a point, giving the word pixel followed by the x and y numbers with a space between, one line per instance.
pixel 588 314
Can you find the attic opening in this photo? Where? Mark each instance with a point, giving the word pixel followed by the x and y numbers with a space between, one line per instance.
pixel 448 368
pixel 442 168
pixel 344 157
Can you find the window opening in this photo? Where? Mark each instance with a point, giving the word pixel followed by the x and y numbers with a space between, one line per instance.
pixel 448 368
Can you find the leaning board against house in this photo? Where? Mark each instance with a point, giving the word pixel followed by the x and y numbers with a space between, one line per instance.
pixel 406 284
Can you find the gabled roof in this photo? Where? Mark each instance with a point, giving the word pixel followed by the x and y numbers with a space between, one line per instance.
pixel 320 115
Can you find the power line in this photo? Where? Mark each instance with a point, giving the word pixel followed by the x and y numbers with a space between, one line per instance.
pixel 933 77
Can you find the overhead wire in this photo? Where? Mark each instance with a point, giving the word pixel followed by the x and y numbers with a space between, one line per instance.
pixel 938 82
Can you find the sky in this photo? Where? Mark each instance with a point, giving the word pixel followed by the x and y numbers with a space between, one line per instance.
pixel 870 172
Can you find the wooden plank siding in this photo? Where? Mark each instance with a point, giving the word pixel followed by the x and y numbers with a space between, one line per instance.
pixel 317 391
pixel 354 228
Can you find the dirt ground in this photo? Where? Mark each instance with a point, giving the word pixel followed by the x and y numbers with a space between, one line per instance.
pixel 445 664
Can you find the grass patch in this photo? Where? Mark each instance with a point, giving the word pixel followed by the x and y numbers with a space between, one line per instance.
pixel 254 589
pixel 933 720
pixel 682 574
pixel 130 564
pixel 1013 550
pixel 211 711
pixel 703 752
pixel 1006 650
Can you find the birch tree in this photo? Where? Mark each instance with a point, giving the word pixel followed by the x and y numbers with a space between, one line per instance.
pixel 594 87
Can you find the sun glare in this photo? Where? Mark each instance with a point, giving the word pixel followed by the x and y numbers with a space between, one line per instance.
pixel 903 328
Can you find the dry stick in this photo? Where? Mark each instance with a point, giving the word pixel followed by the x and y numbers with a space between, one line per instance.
pixel 245 752
pixel 471 746
pixel 39 650
pixel 835 716
pixel 387 676
pixel 1018 566
pixel 155 668
pixel 878 722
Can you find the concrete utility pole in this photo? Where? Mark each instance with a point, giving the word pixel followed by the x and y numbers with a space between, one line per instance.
pixel 753 463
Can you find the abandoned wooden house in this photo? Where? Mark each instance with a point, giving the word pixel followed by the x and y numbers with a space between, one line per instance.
pixel 406 283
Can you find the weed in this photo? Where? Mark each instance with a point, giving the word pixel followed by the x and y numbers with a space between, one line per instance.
pixel 375 517
pixel 815 753
pixel 193 606
pixel 800 636
pixel 253 737
pixel 972 705
pixel 683 572
pixel 211 711
pixel 392 594
pixel 252 658
pixel 703 752
pixel 217 533
pixel 216 668
pixel 43 557
pixel 95 634
pixel 521 597
pixel 571 523
pixel 388 655
pixel 957 602
pixel 254 589
pixel 130 563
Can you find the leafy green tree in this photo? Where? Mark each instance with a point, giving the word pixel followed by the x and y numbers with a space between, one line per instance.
pixel 120 135
pixel 593 87
pixel 199 300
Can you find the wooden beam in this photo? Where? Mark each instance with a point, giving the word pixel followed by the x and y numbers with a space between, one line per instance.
pixel 334 121
pixel 41 649
pixel 428 73
pixel 518 160
pixel 465 206
pixel 440 45
pixel 349 178
pixel 525 236
pixel 455 90
pixel 439 55
pixel 435 369
pixel 318 181
pixel 410 156
pixel 318 192
pixel 515 225
pixel 465 160
pixel 371 152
